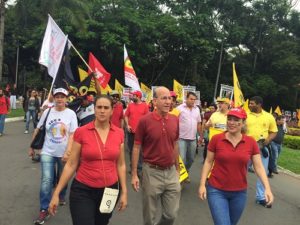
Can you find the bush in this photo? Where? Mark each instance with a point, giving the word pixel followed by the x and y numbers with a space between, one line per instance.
pixel 292 142
pixel 294 131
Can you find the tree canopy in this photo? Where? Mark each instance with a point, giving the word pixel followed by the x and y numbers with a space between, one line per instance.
pixel 169 39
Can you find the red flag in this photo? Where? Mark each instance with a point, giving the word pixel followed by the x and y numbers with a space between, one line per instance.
pixel 102 75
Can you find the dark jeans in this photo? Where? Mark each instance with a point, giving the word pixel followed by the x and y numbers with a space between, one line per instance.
pixel 130 142
pixel 84 204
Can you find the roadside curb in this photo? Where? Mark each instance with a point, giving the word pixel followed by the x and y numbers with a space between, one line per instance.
pixel 283 170
pixel 8 120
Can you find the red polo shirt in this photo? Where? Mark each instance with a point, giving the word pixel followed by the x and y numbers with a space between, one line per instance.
pixel 95 169
pixel 4 104
pixel 229 172
pixel 134 112
pixel 157 137
pixel 117 115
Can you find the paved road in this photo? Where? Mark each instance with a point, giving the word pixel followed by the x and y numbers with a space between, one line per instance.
pixel 20 179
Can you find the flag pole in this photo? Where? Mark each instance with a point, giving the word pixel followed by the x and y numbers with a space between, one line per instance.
pixel 80 56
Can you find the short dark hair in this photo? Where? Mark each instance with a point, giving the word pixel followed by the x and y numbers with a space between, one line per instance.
pixel 103 96
pixel 279 118
pixel 257 100
pixel 191 93
pixel 213 105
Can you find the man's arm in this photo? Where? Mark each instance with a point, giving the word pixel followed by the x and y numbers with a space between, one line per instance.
pixel 270 137
pixel 134 163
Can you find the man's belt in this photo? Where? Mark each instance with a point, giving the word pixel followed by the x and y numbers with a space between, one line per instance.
pixel 153 166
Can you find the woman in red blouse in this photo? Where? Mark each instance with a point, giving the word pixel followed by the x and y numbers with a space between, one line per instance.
pixel 97 157
pixel 227 157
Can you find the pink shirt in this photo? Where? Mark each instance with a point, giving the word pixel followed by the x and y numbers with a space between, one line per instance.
pixel 188 121
pixel 98 166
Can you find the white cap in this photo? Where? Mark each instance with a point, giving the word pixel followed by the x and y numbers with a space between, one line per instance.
pixel 60 90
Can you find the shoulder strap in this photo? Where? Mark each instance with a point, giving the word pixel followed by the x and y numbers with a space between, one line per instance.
pixel 46 117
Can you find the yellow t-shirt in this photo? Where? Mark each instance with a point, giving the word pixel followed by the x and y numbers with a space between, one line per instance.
pixel 175 112
pixel 218 120
pixel 260 124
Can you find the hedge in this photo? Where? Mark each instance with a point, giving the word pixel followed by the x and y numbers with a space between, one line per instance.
pixel 292 142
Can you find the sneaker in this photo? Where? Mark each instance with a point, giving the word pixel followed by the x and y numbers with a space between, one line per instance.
pixel 275 171
pixel 1 134
pixel 44 215
pixel 26 132
pixel 62 201
pixel 270 175
pixel 263 203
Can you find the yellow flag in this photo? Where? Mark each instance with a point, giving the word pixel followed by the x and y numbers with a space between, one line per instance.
pixel 118 87
pixel 271 110
pixel 246 105
pixel 106 90
pixel 237 92
pixel 178 89
pixel 82 75
pixel 183 172
pixel 278 111
pixel 147 92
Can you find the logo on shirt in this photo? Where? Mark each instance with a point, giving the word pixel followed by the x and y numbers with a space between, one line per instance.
pixel 58 131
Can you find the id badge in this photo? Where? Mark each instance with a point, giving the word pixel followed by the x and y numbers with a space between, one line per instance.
pixel 109 200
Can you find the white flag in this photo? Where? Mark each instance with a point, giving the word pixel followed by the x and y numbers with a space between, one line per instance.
pixel 131 79
pixel 53 47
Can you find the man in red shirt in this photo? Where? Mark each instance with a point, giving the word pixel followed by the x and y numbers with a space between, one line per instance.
pixel 117 117
pixel 133 114
pixel 157 135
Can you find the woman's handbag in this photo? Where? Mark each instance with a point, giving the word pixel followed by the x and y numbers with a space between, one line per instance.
pixel 38 141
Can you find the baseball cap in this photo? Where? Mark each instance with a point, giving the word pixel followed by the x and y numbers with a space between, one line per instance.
pixel 173 94
pixel 60 90
pixel 114 92
pixel 137 93
pixel 237 112
pixel 225 100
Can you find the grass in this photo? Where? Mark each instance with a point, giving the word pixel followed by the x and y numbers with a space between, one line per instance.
pixel 289 159
pixel 15 113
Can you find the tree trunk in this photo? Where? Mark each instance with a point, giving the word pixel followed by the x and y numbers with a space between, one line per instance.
pixel 2 11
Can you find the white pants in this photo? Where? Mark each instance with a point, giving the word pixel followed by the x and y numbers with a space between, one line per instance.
pixel 13 101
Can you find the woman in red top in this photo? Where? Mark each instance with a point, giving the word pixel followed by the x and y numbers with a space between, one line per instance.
pixel 4 109
pixel 227 158
pixel 97 156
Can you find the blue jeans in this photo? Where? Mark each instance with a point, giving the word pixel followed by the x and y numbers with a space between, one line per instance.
pixel 2 122
pixel 260 189
pixel 48 164
pixel 31 113
pixel 187 150
pixel 226 207
pixel 276 149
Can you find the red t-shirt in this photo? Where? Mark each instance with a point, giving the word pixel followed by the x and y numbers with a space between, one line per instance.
pixel 134 112
pixel 117 115
pixel 95 170
pixel 229 172
pixel 157 137
pixel 4 105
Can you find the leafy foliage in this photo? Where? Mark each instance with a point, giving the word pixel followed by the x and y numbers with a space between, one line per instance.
pixel 171 39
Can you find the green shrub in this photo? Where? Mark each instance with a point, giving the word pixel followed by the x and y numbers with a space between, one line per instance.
pixel 292 142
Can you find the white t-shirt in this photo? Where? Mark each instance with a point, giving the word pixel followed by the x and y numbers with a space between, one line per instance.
pixel 58 127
